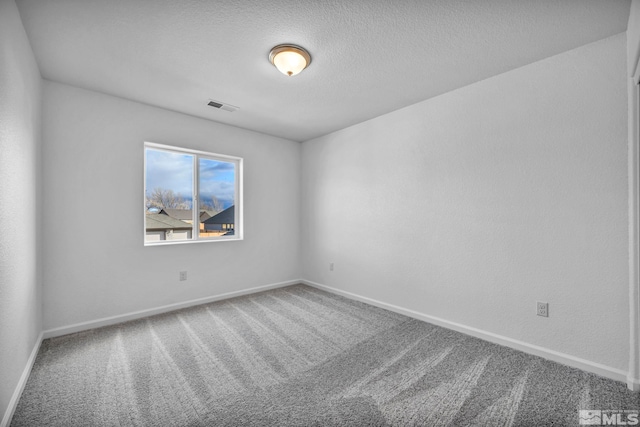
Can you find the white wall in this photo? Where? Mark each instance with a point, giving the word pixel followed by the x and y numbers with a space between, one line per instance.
pixel 472 206
pixel 633 37
pixel 93 181
pixel 20 279
pixel 633 54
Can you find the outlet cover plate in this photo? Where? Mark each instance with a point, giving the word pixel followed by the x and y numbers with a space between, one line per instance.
pixel 542 309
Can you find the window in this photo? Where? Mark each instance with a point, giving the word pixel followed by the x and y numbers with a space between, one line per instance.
pixel 190 196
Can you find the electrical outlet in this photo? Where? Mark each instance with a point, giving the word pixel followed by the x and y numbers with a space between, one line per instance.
pixel 330 266
pixel 543 309
pixel 183 276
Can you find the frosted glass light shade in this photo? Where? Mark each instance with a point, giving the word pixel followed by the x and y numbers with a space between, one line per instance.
pixel 289 59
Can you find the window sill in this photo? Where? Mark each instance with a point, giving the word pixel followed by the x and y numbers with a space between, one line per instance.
pixel 190 242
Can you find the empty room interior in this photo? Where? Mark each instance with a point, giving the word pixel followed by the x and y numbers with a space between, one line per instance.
pixel 319 213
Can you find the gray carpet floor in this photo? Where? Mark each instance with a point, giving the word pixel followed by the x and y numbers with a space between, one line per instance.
pixel 297 356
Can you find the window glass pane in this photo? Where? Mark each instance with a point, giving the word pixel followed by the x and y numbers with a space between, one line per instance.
pixel 168 196
pixel 191 195
pixel 217 189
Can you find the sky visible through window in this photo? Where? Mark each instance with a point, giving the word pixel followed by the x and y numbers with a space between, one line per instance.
pixel 174 171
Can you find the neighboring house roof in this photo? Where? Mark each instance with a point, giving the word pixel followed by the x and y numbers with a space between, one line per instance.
pixel 165 222
pixel 185 214
pixel 204 215
pixel 227 216
pixel 182 214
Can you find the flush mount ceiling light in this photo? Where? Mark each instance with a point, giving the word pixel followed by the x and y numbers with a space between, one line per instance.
pixel 289 59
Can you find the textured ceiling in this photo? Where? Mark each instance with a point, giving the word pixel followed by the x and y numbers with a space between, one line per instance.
pixel 369 57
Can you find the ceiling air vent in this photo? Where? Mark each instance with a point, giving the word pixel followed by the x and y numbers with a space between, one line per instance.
pixel 222 106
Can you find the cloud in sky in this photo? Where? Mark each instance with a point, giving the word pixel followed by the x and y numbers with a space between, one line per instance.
pixel 217 179
pixel 174 171
pixel 170 171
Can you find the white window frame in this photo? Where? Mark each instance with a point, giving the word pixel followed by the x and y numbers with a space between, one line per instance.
pixel 195 209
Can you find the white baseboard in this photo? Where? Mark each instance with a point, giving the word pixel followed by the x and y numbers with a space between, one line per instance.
pixel 13 403
pixel 633 384
pixel 112 320
pixel 555 356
